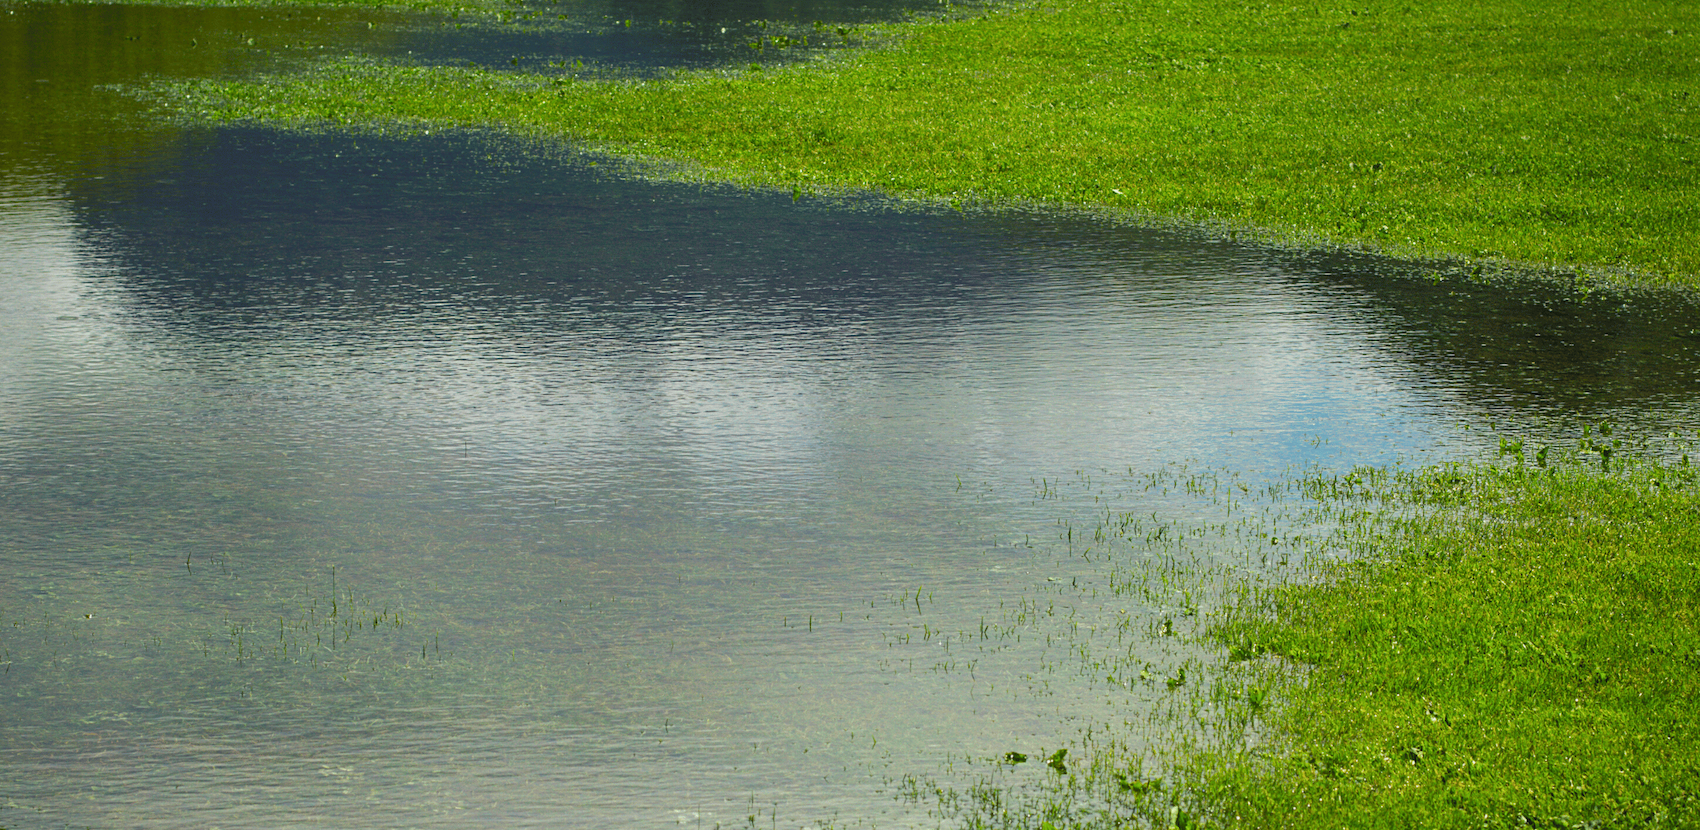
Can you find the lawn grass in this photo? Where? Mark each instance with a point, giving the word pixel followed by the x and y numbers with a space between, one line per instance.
pixel 1541 134
pixel 1524 652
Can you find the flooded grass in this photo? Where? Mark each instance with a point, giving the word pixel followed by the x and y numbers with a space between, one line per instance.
pixel 1498 644
pixel 1467 644
pixel 1124 613
pixel 1549 135
pixel 479 9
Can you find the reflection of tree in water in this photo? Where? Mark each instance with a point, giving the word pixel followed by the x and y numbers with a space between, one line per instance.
pixel 291 229
pixel 57 113
pixel 1521 347
pixel 597 38
pixel 1528 346
pixel 732 11
pixel 294 226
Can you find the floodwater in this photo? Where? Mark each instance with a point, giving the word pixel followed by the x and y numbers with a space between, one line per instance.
pixel 423 481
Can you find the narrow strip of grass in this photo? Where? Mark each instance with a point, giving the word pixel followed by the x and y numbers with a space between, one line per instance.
pixel 1557 134
pixel 1529 655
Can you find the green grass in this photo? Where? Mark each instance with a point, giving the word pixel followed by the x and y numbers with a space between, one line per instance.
pixel 1555 135
pixel 1523 652
pixel 1484 644
pixel 1521 649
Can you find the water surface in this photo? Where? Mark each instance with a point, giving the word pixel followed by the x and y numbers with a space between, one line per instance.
pixel 452 480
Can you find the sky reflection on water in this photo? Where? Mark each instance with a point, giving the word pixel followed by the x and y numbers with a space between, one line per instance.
pixel 656 471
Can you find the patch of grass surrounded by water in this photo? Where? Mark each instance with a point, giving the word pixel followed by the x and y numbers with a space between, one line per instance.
pixel 1541 134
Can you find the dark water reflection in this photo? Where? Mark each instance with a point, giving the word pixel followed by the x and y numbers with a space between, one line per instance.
pixel 638 39
pixel 382 227
pixel 1535 350
pixel 63 66
pixel 59 64
pixel 654 471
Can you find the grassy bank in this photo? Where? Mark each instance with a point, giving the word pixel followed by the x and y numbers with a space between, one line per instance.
pixel 1537 133
pixel 1526 655
pixel 1499 645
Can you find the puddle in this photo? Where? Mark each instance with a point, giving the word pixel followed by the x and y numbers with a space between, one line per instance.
pixel 452 479
pixel 646 39
pixel 64 65
pixel 655 473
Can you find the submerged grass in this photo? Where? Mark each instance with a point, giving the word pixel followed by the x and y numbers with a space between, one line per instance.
pixel 1511 645
pixel 1544 134
pixel 1481 644
pixel 503 10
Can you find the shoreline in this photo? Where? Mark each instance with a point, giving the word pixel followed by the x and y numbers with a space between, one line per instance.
pixel 1196 114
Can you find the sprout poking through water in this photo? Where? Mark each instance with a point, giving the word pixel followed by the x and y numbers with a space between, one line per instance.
pixel 1058 762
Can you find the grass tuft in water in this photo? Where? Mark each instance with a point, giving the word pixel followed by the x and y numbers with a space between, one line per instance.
pixel 1503 643
pixel 319 629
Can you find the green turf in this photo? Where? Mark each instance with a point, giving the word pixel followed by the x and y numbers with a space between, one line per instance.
pixel 1527 654
pixel 1539 133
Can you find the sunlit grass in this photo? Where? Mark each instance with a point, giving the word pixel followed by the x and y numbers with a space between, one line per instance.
pixel 1543 134
pixel 1474 644
pixel 1525 654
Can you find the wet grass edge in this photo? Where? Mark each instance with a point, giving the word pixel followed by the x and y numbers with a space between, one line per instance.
pixel 1522 649
pixel 1515 138
pixel 501 10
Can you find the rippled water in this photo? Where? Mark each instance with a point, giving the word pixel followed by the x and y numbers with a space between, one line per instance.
pixel 456 481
